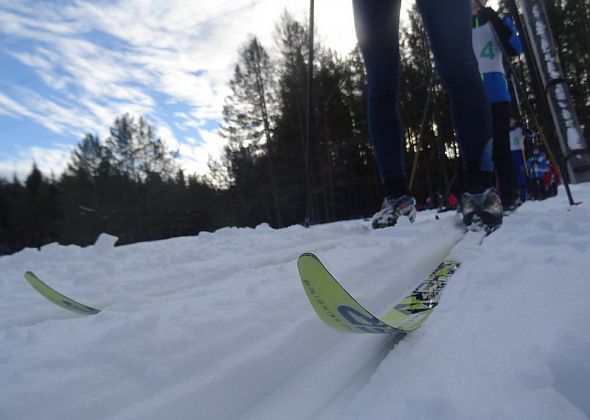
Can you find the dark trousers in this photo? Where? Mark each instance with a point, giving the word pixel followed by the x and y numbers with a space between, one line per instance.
pixel 448 23
pixel 501 154
pixel 537 189
pixel 520 173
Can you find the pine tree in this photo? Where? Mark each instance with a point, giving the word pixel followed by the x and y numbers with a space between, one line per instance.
pixel 136 151
pixel 289 152
pixel 248 127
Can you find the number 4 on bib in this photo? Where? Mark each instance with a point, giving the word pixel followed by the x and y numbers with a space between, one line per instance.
pixel 488 51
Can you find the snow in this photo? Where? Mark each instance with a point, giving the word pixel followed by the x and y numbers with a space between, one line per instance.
pixel 217 326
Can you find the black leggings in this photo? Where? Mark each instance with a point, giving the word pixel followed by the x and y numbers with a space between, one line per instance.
pixel 448 23
pixel 501 151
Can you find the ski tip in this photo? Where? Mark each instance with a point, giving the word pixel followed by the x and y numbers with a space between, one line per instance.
pixel 29 276
pixel 307 255
pixel 305 259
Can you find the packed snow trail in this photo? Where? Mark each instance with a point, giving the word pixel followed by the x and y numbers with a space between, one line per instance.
pixel 188 321
pixel 217 326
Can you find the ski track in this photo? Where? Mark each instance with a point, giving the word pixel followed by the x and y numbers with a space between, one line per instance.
pixel 217 326
pixel 131 282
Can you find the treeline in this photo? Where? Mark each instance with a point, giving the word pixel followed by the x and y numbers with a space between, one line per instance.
pixel 131 186
pixel 264 122
pixel 570 23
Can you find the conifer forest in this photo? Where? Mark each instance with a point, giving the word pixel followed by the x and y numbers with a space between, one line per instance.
pixel 131 186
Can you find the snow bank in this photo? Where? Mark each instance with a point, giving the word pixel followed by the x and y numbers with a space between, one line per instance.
pixel 217 326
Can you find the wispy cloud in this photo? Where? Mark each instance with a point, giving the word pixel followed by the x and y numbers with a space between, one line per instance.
pixel 51 160
pixel 11 107
pixel 92 61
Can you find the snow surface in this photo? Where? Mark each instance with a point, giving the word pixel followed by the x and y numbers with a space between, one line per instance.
pixel 217 326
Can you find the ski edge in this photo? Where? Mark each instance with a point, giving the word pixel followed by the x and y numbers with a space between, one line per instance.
pixel 339 310
pixel 334 305
pixel 57 298
pixel 411 312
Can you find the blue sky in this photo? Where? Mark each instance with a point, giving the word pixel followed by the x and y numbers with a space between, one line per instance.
pixel 72 67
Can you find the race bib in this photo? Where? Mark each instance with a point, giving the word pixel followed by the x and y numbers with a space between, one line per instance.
pixel 516 139
pixel 487 51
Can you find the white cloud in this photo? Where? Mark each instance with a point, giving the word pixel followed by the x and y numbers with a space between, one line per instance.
pixel 57 116
pixel 50 160
pixel 9 106
pixel 96 60
pixel 167 135
pixel 195 155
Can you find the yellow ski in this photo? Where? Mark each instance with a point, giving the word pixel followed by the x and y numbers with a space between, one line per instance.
pixel 57 298
pixel 338 309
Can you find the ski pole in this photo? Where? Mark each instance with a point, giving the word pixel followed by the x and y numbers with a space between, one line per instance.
pixel 532 116
pixel 308 117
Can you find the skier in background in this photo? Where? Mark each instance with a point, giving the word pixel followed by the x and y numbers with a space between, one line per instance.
pixel 488 31
pixel 551 180
pixel 448 24
pixel 537 165
pixel 429 203
pixel 453 201
pixel 518 134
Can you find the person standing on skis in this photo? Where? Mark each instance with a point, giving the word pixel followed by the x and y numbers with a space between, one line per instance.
pixel 538 166
pixel 448 24
pixel 491 37
pixel 518 134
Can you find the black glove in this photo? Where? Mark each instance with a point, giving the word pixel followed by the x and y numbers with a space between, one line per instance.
pixel 488 14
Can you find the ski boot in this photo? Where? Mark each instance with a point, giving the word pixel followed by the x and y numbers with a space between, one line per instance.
pixel 482 209
pixel 511 207
pixel 392 209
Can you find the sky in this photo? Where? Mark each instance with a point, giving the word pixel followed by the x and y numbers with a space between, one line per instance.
pixel 71 67
pixel 217 326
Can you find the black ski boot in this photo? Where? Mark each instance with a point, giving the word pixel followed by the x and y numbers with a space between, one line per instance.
pixel 483 208
pixel 481 205
pixel 392 209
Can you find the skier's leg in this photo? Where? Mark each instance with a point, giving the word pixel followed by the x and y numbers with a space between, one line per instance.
pixel 449 27
pixel 501 152
pixel 519 172
pixel 377 29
